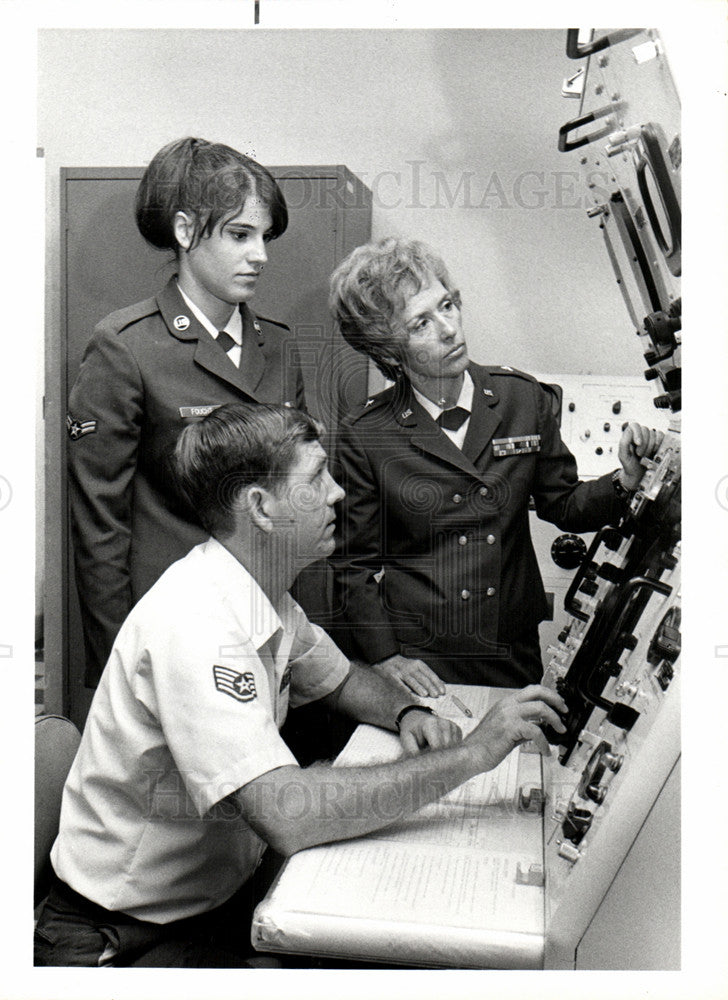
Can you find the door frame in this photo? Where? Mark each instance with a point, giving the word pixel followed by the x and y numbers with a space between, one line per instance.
pixel 354 201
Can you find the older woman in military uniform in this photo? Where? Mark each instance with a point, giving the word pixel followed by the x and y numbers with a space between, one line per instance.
pixel 436 577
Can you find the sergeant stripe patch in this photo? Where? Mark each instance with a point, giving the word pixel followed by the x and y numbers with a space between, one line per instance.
pixel 232 682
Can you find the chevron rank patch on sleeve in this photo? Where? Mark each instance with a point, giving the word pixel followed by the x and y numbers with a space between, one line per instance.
pixel 77 428
pixel 232 682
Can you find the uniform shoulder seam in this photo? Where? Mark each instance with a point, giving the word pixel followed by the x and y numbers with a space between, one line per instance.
pixel 122 318
pixel 371 403
pixel 507 370
pixel 273 322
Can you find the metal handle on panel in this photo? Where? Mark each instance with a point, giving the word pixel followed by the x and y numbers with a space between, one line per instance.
pixel 653 157
pixel 642 269
pixel 580 575
pixel 633 587
pixel 565 146
pixel 576 51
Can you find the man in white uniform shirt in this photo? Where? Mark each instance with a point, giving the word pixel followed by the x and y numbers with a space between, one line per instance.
pixel 182 777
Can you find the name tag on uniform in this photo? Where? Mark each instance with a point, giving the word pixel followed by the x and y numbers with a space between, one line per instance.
pixel 523 445
pixel 198 411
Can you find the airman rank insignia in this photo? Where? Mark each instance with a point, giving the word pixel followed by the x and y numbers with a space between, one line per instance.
pixel 524 445
pixel 78 428
pixel 232 682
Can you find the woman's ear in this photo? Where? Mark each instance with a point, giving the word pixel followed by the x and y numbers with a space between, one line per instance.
pixel 184 230
pixel 394 363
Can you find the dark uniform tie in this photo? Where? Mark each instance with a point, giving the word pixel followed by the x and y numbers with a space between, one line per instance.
pixel 226 342
pixel 453 419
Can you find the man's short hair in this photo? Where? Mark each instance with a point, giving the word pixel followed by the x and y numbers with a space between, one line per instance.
pixel 235 446
pixel 369 289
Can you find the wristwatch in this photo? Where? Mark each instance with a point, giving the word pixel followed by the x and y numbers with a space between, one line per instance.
pixel 411 708
pixel 622 492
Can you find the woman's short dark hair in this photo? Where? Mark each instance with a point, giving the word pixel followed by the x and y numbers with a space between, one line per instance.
pixel 208 181
pixel 235 446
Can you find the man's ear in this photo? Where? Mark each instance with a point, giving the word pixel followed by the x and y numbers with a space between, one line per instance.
pixel 184 229
pixel 260 503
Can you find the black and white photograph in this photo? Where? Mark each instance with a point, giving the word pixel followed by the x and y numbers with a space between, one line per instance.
pixel 344 627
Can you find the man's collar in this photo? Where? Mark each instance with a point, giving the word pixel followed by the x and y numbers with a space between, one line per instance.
pixel 252 607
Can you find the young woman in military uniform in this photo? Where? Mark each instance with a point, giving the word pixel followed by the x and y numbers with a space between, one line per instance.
pixel 151 368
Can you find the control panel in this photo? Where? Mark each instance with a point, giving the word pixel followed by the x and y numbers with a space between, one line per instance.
pixel 594 411
pixel 616 663
pixel 612 793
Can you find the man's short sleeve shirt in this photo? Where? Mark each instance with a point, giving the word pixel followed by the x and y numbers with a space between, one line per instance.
pixel 188 710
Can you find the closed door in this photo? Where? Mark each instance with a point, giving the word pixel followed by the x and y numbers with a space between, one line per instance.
pixel 108 266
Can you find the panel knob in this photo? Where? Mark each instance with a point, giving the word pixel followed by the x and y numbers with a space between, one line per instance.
pixel 568 551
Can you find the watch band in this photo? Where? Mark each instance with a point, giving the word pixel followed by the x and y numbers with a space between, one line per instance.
pixel 411 708
pixel 622 492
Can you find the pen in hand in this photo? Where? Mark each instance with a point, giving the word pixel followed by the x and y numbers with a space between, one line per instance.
pixel 463 708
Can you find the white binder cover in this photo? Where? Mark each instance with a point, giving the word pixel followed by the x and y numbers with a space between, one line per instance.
pixel 446 887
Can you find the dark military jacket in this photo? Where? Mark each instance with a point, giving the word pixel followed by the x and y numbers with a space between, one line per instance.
pixel 434 557
pixel 148 370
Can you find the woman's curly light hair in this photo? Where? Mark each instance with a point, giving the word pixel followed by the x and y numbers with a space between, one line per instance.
pixel 369 289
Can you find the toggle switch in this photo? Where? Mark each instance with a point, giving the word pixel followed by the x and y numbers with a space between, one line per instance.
pixel 569 852
pixel 596 793
pixel 531 799
pixel 533 874
pixel 576 823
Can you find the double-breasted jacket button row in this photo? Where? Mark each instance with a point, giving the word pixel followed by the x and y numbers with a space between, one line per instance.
pixel 458 497
pixel 463 539
pixel 465 594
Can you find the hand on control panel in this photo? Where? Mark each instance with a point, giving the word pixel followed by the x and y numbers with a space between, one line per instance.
pixel 637 442
pixel 518 718
pixel 553 736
